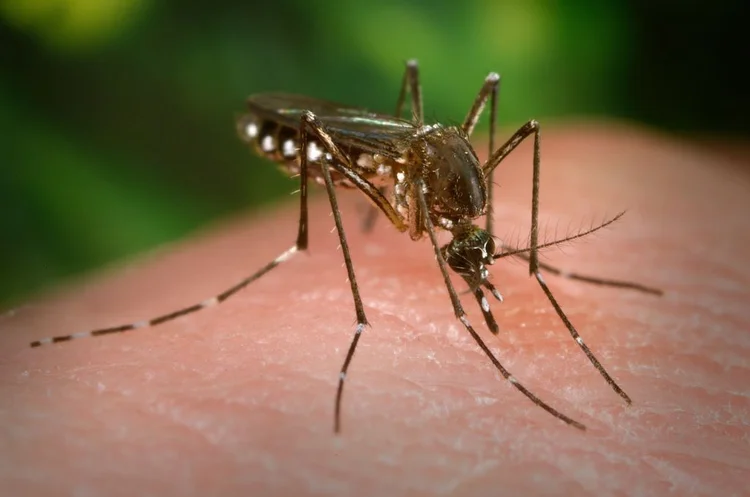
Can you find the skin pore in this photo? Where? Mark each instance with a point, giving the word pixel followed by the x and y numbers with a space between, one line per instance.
pixel 238 399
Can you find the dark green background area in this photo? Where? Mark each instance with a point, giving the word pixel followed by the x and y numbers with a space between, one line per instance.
pixel 117 117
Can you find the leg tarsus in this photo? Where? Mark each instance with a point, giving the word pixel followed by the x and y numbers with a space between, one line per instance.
pixel 593 280
pixel 461 315
pixel 532 127
pixel 300 244
pixel 310 125
pixel 574 333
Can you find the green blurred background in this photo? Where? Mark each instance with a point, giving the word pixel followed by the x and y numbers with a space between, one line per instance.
pixel 117 116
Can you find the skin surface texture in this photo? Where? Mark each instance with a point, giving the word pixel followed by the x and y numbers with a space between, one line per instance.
pixel 238 398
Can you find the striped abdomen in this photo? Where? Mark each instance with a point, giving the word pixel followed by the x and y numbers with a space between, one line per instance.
pixel 280 143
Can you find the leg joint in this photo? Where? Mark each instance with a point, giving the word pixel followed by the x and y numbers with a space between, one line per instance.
pixel 309 117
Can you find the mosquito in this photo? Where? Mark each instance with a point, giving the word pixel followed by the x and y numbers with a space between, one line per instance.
pixel 422 177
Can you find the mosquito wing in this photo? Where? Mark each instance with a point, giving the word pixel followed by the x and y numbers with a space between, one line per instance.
pixel 350 126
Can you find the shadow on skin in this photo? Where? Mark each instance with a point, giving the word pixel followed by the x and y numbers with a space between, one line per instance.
pixel 238 399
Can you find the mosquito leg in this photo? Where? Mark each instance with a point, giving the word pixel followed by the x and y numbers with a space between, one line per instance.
pixel 490 90
pixel 528 129
pixel 521 253
pixel 310 125
pixel 588 279
pixel 410 83
pixel 486 311
pixel 461 315
pixel 493 290
pixel 299 244
pixel 342 164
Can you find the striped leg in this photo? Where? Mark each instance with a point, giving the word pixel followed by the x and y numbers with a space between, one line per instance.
pixel 311 126
pixel 461 315
pixel 215 300
pixel 529 129
pixel 594 280
pixel 522 253
pixel 300 244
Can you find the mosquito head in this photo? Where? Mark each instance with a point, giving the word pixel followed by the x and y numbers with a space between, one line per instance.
pixel 453 174
pixel 469 253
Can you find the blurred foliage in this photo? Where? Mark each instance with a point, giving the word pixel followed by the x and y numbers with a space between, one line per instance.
pixel 117 116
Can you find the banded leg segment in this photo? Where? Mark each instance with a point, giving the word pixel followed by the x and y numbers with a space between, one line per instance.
pixel 461 315
pixel 300 244
pixel 521 253
pixel 311 126
pixel 528 129
pixel 593 280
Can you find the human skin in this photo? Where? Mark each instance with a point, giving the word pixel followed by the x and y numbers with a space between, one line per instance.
pixel 238 399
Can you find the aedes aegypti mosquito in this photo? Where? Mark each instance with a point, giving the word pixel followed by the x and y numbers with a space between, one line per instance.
pixel 422 177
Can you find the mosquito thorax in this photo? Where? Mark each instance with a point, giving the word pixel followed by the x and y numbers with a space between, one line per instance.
pixel 453 174
pixel 470 251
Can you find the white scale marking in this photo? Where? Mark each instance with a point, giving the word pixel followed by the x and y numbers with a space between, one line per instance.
pixel 424 130
pixel 210 302
pixel 267 144
pixel 446 223
pixel 313 152
pixel 579 340
pixel 485 305
pixel 286 255
pixel 383 170
pixel 498 295
pixel 251 130
pixel 289 148
pixel 81 334
pixel 365 161
pixel 141 324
